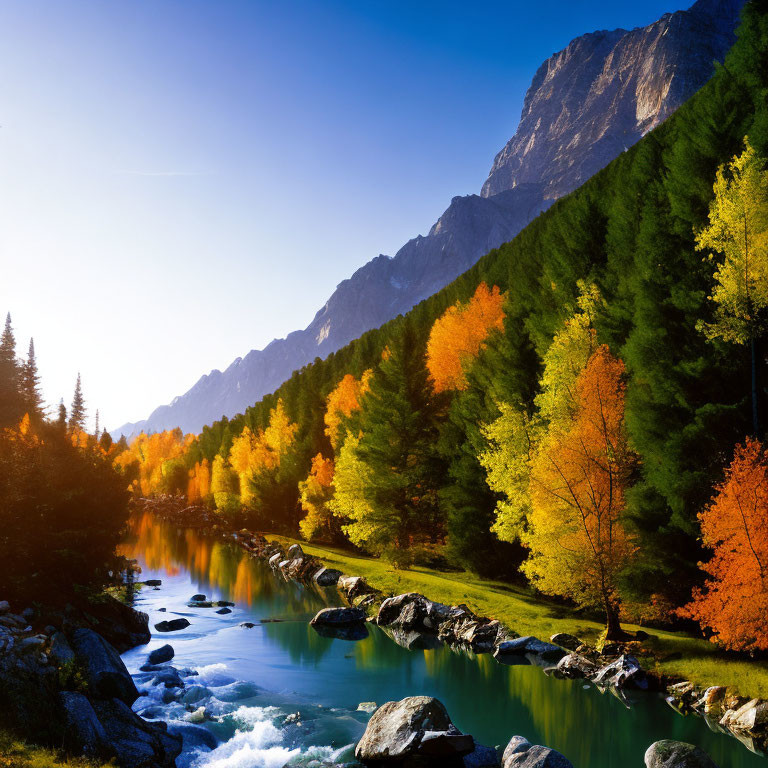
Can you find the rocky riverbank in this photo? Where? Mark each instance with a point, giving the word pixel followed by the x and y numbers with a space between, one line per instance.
pixel 64 683
pixel 413 621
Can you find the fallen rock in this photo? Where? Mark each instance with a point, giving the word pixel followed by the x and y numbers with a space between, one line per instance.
pixel 102 667
pixel 574 667
pixel 524 645
pixel 398 729
pixel 338 617
pixel 171 626
pixel 197 598
pixel 353 586
pixel 676 754
pixel 625 672
pixel 749 717
pixel 223 611
pixel 161 654
pixel 520 753
pixel 326 577
pixel 84 732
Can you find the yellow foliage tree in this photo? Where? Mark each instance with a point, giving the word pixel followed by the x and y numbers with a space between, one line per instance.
pixel 199 485
pixel 342 402
pixel 458 335
pixel 149 456
pixel 738 231
pixel 316 493
pixel 223 484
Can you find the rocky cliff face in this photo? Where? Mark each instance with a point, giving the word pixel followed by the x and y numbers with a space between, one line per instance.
pixel 586 105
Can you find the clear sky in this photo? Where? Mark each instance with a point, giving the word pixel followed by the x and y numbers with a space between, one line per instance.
pixel 185 180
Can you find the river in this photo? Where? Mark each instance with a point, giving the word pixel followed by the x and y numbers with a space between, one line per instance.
pixel 280 693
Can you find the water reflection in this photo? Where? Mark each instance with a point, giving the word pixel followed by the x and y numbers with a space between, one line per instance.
pixel 290 659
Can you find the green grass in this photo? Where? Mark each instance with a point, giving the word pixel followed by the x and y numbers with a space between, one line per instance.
pixel 529 614
pixel 15 753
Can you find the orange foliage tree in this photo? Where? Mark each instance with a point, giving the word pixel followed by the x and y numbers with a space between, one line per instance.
pixel 578 480
pixel 199 484
pixel 734 601
pixel 315 493
pixel 342 402
pixel 458 335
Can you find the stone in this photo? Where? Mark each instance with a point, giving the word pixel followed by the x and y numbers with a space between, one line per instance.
pixel 295 551
pixel 447 744
pixel 169 677
pixel 396 729
pixel 223 611
pixel 482 757
pixel 528 644
pixel 625 672
pixel 564 640
pixel 574 667
pixel 749 717
pixel 224 604
pixel 60 650
pixel 196 598
pixel 353 586
pixel 338 617
pixel 712 700
pixel 153 582
pixel 248 625
pixel 276 559
pixel 172 626
pixel 84 732
pixel 520 753
pixel 199 604
pixel 161 654
pixel 676 754
pixel 102 667
pixel 197 716
pixel 326 577
pixel 194 736
pixel 5 607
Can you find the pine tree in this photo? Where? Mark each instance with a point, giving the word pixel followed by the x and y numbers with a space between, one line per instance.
pixel 77 411
pixel 30 383
pixel 96 429
pixel 11 406
pixel 105 441
pixel 61 419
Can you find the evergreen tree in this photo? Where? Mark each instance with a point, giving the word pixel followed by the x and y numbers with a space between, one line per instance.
pixel 96 428
pixel 11 405
pixel 61 419
pixel 77 411
pixel 105 441
pixel 30 383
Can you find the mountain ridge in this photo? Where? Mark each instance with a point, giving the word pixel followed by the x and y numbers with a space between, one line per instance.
pixel 585 105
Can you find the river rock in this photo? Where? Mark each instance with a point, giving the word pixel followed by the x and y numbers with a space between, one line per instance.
pixel 84 732
pixel 162 654
pixel 326 577
pixel 564 640
pixel 224 611
pixel 338 617
pixel 353 586
pixel 169 677
pixel 5 607
pixel 197 598
pixel 200 604
pixel 102 667
pixel 224 604
pixel 193 736
pixel 625 672
pixel 574 667
pixel 520 753
pixel 676 754
pixel 153 582
pixel 172 626
pixel 525 645
pixel 136 742
pixel 397 730
pixel 60 651
pixel 482 757
pixel 749 717
pixel 295 551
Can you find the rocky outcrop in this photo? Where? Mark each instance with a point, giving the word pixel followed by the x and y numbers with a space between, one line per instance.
pixel 586 105
pixel 101 665
pixel 677 754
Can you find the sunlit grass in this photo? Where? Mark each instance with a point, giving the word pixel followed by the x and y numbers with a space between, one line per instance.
pixel 530 614
pixel 15 753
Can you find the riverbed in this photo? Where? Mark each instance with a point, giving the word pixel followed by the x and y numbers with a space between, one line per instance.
pixel 277 692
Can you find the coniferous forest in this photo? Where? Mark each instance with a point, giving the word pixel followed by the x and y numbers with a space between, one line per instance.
pixel 583 409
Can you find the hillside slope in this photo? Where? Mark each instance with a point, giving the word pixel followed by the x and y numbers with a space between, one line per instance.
pixel 585 105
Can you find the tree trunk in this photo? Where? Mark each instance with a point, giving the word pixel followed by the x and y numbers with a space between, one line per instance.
pixel 613 630
pixel 756 388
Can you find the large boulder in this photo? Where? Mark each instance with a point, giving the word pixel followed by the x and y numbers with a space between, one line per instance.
pixel 482 757
pixel 528 645
pixel 354 586
pixel 676 754
pixel 102 667
pixel 136 742
pixel 416 727
pixel 60 650
pixel 751 716
pixel 574 666
pixel 84 732
pixel 326 577
pixel 295 551
pixel 174 625
pixel 520 753
pixel 338 617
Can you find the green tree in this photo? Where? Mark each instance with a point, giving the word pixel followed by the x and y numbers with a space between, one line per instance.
pixel 10 400
pixel 77 410
pixel 30 383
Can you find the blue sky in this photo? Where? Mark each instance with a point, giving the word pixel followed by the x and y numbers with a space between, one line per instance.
pixel 186 180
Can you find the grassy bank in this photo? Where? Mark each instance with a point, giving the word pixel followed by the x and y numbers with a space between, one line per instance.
pixel 670 653
pixel 15 753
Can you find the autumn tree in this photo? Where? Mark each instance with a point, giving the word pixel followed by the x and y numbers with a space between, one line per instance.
pixel 579 477
pixel 224 485
pixel 77 410
pixel 199 483
pixel 342 402
pixel 734 601
pixel 316 493
pixel 738 232
pixel 458 335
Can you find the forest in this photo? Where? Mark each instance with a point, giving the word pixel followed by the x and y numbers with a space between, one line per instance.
pixel 583 409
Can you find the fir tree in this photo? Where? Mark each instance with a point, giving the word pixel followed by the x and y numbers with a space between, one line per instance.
pixel 30 383
pixel 10 398
pixel 77 411
pixel 61 419
pixel 96 428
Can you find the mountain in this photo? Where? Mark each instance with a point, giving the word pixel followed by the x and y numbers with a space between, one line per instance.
pixel 585 105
